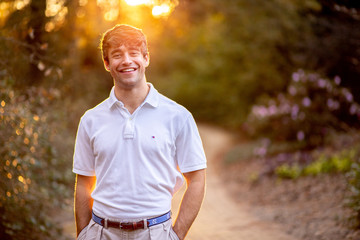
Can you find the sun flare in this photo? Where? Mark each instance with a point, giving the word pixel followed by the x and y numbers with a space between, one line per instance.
pixel 138 2
pixel 161 11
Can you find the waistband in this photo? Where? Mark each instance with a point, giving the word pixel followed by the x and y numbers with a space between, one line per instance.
pixel 142 224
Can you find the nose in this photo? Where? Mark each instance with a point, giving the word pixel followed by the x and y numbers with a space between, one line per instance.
pixel 126 59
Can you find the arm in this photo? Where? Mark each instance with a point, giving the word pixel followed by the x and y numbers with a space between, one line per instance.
pixel 191 202
pixel 83 201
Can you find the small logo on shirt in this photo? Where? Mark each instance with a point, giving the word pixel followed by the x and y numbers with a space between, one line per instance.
pixel 152 136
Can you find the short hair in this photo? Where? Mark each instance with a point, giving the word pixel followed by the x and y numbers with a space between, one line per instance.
pixel 122 34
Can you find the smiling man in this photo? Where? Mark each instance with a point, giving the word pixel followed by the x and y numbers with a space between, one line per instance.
pixel 133 151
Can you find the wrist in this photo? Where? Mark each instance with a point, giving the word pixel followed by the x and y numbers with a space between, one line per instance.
pixel 179 233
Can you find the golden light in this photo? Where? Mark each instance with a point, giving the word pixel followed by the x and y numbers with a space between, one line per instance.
pixel 137 2
pixel 111 9
pixel 111 15
pixel 161 11
pixel 5 8
pixel 57 10
pixel 21 179
pixel 53 7
pixel 20 4
pixel 82 3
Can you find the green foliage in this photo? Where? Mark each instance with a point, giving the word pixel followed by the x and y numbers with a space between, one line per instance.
pixel 353 200
pixel 35 175
pixel 310 109
pixel 217 62
pixel 336 163
pixel 288 171
pixel 330 46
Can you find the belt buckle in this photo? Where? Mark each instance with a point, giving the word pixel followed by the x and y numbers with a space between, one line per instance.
pixel 121 225
pixel 105 223
pixel 130 226
pixel 145 223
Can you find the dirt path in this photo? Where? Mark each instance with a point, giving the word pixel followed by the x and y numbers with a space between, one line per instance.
pixel 220 217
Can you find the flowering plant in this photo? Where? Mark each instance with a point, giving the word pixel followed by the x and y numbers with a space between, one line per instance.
pixel 310 108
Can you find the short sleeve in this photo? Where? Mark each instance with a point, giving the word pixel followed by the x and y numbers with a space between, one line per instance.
pixel 84 160
pixel 190 153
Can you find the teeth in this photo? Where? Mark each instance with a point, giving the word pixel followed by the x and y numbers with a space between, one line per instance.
pixel 128 70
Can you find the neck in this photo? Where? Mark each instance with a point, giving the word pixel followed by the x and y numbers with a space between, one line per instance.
pixel 132 98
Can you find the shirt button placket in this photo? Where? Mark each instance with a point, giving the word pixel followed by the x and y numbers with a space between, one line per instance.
pixel 129 128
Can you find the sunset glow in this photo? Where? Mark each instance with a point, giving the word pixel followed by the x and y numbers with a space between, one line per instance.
pixel 137 2
pixel 162 10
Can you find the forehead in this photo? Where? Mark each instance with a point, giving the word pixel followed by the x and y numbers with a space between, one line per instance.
pixel 124 48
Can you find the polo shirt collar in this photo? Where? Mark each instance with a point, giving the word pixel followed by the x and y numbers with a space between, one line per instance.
pixel 152 98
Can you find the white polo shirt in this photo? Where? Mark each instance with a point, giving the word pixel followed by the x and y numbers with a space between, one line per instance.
pixel 137 158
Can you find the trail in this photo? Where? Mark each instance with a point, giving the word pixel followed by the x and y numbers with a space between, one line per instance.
pixel 220 218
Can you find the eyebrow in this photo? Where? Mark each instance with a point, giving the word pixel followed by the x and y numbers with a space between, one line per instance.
pixel 115 51
pixel 129 49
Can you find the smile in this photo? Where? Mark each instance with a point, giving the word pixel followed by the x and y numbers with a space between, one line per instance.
pixel 128 70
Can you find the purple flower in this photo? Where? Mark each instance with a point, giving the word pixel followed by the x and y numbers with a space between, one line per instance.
pixel 353 109
pixel 295 76
pixel 337 80
pixel 321 83
pixel 300 135
pixel 306 102
pixel 272 110
pixel 333 104
pixel 349 97
pixel 260 111
pixel 292 90
pixel 294 112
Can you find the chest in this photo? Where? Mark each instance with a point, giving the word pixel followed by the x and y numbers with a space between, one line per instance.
pixel 141 136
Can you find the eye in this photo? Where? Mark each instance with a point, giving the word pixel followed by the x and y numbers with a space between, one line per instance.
pixel 134 53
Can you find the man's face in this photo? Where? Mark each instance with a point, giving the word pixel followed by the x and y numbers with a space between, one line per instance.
pixel 127 66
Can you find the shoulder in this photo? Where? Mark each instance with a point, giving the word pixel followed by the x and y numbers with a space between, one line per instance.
pixel 173 107
pixel 96 112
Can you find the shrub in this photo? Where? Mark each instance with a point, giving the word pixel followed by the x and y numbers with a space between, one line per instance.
pixel 353 200
pixel 336 163
pixel 34 176
pixel 310 108
pixel 288 171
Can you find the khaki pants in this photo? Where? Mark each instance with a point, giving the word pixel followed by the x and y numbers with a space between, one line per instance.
pixel 161 231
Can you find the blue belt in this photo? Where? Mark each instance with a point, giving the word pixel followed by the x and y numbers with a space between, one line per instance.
pixel 132 225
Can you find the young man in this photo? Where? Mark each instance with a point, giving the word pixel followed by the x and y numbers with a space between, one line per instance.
pixel 132 152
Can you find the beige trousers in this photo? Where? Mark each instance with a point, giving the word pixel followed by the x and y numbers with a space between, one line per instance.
pixel 161 231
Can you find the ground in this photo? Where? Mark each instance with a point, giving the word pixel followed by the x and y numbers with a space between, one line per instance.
pixel 308 208
pixel 235 208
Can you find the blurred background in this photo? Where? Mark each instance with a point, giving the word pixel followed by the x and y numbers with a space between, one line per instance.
pixel 284 75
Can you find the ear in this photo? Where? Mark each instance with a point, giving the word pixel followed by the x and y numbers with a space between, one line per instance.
pixel 107 65
pixel 147 59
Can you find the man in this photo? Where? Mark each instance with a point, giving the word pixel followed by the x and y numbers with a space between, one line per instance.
pixel 132 152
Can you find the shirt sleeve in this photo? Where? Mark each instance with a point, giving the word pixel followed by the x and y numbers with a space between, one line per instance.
pixel 84 160
pixel 190 153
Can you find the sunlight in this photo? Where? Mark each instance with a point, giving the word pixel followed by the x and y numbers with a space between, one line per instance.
pixel 58 12
pixel 53 7
pixel 137 2
pixel 20 4
pixel 82 3
pixel 5 10
pixel 111 15
pixel 111 9
pixel 161 11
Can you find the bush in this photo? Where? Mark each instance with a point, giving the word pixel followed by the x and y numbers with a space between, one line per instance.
pixel 35 174
pixel 288 171
pixel 336 163
pixel 310 109
pixel 353 200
